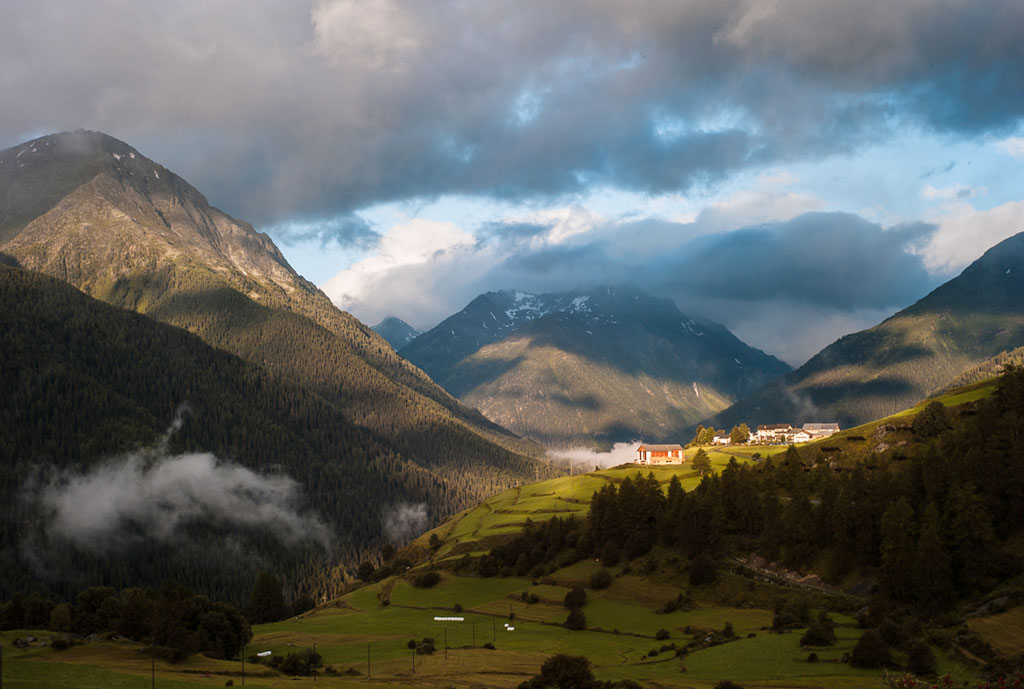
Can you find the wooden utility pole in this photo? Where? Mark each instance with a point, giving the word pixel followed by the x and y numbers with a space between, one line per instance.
pixel 243 665
pixel 152 662
pixel 369 675
pixel 446 643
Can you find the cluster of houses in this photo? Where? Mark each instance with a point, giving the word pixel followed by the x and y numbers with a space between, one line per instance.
pixel 773 434
pixel 784 433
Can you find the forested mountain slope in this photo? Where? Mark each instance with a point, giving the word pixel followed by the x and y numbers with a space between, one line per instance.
pixel 89 209
pixel 85 382
pixel 918 351
pixel 597 366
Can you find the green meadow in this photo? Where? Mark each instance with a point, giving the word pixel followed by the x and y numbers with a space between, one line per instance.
pixel 365 636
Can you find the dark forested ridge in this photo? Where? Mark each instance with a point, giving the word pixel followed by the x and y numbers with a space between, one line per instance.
pixel 588 367
pixel 915 353
pixel 84 381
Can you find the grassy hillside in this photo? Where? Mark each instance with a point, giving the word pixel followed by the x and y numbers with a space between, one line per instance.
pixel 619 640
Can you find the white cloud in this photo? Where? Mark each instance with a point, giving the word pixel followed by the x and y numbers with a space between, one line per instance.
pixel 965 233
pixel 953 193
pixel 583 459
pixel 405 247
pixel 1013 146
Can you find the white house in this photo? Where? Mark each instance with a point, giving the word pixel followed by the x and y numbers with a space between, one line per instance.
pixel 720 439
pixel 773 432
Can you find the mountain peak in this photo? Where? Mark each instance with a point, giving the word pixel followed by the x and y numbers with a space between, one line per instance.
pixel 397 332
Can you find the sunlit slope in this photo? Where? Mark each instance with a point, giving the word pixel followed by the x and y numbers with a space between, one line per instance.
pixel 913 354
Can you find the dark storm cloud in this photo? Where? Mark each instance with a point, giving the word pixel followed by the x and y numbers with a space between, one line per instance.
pixel 835 260
pixel 312 109
pixel 344 230
pixel 509 234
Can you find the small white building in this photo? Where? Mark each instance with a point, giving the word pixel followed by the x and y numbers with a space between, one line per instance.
pixel 721 439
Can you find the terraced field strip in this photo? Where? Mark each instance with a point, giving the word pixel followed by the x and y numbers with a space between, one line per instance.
pixel 1005 631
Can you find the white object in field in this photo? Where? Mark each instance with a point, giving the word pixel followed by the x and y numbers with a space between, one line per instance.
pixel 264 654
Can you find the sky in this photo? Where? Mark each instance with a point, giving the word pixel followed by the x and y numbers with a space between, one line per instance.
pixel 794 169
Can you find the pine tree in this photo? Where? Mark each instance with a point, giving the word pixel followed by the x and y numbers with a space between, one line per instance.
pixel 267 602
pixel 934 583
pixel 897 573
pixel 701 462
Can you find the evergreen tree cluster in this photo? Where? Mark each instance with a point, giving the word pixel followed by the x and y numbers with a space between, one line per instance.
pixel 173 618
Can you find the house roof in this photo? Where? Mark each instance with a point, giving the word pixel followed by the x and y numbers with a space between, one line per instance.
pixel 821 427
pixel 775 427
pixel 659 448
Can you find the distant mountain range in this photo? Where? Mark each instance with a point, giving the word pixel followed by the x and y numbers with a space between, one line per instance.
pixel 589 367
pixel 397 332
pixel 946 338
pixel 92 211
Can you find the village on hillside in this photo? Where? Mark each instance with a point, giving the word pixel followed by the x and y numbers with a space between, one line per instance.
pixel 772 434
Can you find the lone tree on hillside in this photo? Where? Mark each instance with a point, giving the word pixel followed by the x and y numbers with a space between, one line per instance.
pixel 267 602
pixel 701 462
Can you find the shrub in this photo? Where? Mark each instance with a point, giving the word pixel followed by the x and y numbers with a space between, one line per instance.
pixel 425 647
pixel 426 580
pixel 563 671
pixel 812 658
pixel 726 684
pixel 728 632
pixel 661 634
pixel 601 579
pixel 575 598
pixel 871 651
pixel 576 620
pixel 457 607
pixel 818 635
pixel 920 659
pixel 489 646
pixel 60 643
pixel 411 643
pixel 891 633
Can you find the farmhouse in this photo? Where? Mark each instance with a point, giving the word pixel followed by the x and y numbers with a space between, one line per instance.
pixel 774 432
pixel 798 436
pixel 660 454
pixel 720 439
pixel 821 430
